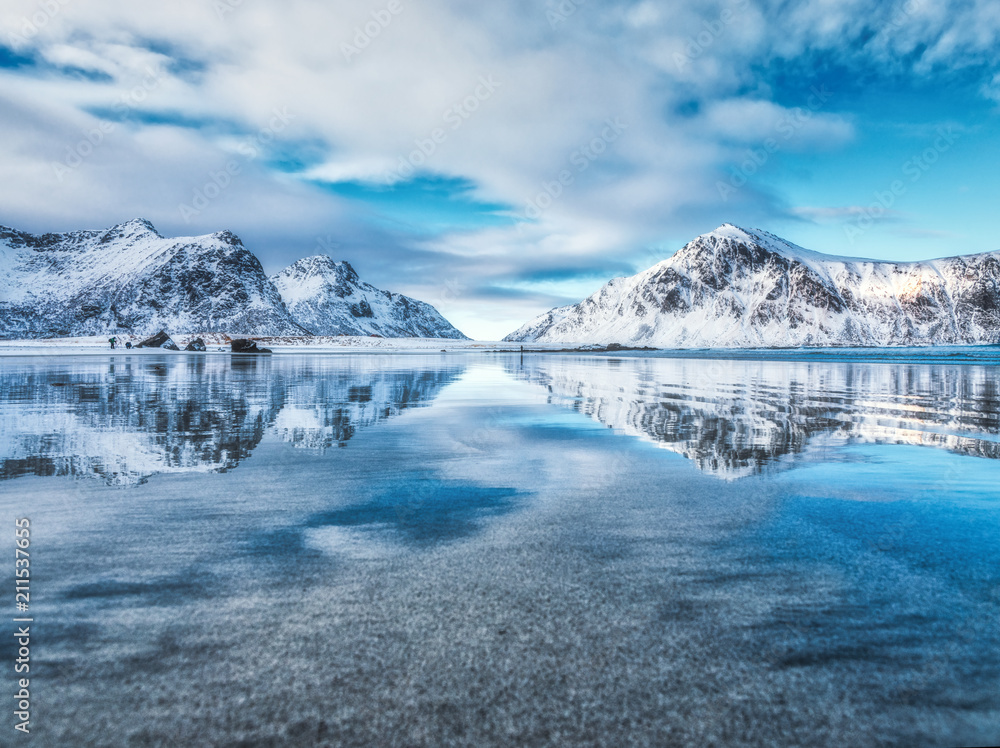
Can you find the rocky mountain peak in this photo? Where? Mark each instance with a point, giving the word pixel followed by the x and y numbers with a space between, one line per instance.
pixel 134 229
pixel 228 237
pixel 329 298
pixel 326 266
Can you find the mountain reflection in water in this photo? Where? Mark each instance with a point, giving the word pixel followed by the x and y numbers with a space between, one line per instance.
pixel 739 418
pixel 123 419
pixel 130 417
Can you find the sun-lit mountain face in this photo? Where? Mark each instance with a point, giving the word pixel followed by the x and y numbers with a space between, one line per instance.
pixel 736 288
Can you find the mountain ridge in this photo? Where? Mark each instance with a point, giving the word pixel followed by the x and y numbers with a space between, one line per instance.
pixel 129 279
pixel 740 288
pixel 329 298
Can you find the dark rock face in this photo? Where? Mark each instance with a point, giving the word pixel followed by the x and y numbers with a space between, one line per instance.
pixel 196 345
pixel 363 309
pixel 242 345
pixel 160 340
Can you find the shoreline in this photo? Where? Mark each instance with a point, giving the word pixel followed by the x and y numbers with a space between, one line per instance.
pixel 218 344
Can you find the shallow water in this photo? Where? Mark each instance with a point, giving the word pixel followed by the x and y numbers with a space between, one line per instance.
pixel 481 549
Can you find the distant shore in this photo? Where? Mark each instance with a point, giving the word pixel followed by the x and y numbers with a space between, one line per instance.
pixel 218 344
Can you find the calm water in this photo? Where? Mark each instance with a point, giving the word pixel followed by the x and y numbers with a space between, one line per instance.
pixel 472 549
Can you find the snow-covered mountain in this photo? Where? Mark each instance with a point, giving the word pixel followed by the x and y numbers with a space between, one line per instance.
pixel 738 288
pixel 129 279
pixel 328 298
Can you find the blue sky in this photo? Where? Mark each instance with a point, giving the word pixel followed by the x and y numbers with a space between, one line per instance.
pixel 499 159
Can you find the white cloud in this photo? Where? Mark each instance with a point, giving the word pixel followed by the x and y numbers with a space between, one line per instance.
pixel 752 121
pixel 643 14
pixel 688 78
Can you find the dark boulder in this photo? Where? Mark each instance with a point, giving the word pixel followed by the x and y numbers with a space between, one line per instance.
pixel 196 345
pixel 160 340
pixel 242 345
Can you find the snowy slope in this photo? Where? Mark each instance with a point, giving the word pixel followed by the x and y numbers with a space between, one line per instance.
pixel 129 279
pixel 328 298
pixel 738 288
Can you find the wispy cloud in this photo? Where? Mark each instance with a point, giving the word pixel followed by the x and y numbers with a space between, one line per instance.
pixel 821 214
pixel 919 233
